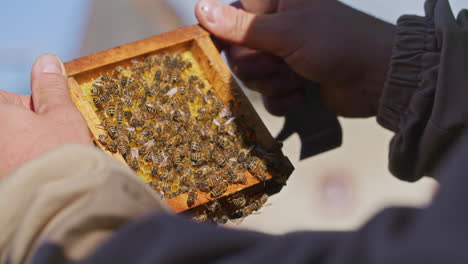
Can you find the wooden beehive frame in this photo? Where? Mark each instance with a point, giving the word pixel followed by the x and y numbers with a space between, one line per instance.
pixel 198 41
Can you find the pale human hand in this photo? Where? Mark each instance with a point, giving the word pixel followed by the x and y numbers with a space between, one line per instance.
pixel 275 46
pixel 34 125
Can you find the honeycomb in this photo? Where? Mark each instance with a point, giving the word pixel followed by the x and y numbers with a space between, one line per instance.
pixel 162 115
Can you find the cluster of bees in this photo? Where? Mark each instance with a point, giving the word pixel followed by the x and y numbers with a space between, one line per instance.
pixel 237 206
pixel 166 122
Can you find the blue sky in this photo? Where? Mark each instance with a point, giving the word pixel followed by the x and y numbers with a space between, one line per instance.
pixel 30 28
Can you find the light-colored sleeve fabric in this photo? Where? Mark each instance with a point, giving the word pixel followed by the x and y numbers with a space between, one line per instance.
pixel 74 197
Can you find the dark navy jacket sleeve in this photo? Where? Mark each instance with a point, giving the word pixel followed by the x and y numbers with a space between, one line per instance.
pixel 424 99
pixel 434 235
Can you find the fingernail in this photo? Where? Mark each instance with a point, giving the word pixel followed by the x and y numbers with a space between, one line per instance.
pixel 49 63
pixel 208 10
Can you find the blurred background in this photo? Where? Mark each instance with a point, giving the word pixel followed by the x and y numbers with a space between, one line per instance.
pixel 337 190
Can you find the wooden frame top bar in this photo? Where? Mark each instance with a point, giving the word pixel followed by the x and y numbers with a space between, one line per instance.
pixel 134 49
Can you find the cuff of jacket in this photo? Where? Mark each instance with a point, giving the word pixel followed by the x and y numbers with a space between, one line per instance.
pixel 414 38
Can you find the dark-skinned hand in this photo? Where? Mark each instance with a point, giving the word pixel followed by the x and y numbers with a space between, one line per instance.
pixel 274 47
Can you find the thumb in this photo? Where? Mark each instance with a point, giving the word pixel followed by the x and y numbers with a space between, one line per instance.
pixel 269 32
pixel 49 84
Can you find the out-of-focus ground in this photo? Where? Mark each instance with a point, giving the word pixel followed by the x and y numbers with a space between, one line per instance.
pixel 337 190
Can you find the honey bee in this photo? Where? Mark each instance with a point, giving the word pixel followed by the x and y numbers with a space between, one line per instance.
pixel 178 168
pixel 217 179
pixel 157 76
pixel 149 108
pixel 163 177
pixel 149 156
pixel 213 207
pixel 143 151
pixel 122 146
pixel 167 61
pixel 243 155
pixel 105 78
pixel 202 110
pixel 131 80
pixel 204 171
pixel 166 77
pixel 195 145
pixel 110 89
pixel 201 218
pixel 232 130
pixel 176 140
pixel 119 114
pixel 177 158
pixel 176 77
pixel 110 127
pixel 184 180
pixel 246 210
pixel 96 91
pixel 128 101
pixel 166 187
pixel 137 68
pixel 123 81
pixel 219 189
pixel 257 167
pixel 107 143
pixel 153 185
pixel 175 104
pixel 219 158
pixel 226 113
pixel 236 177
pixel 192 197
pixel 192 96
pixel 133 161
pixel 136 122
pixel 197 158
pixel 193 78
pixel 203 186
pixel 127 115
pixel 200 118
pixel 260 202
pixel 147 133
pixel 119 69
pixel 150 91
pixel 149 61
pixel 110 109
pixel 217 104
pixel 98 84
pixel 182 89
pixel 253 206
pixel 238 201
pixel 97 103
pixel 222 142
pixel 221 219
pixel 179 117
pixel 154 171
pixel 183 189
pixel 162 157
pixel 105 98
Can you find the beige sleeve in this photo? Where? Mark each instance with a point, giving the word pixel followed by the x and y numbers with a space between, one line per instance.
pixel 74 197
